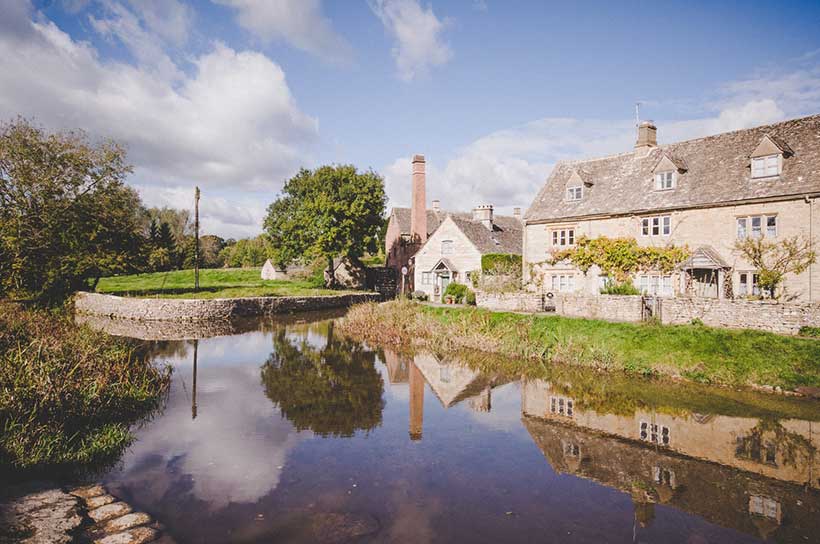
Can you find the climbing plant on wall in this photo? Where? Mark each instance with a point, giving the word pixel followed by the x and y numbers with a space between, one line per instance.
pixel 620 257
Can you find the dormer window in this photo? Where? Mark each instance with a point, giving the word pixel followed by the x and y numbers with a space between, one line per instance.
pixel 575 193
pixel 665 180
pixel 764 167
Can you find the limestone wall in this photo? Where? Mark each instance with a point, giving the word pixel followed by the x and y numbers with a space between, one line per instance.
pixel 607 307
pixel 158 309
pixel 519 301
pixel 786 318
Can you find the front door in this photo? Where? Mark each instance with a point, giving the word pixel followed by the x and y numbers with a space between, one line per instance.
pixel 444 281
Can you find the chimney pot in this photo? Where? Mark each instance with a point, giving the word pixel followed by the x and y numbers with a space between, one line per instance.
pixel 436 206
pixel 647 135
pixel 517 213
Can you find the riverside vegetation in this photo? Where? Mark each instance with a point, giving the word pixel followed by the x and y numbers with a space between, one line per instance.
pixel 691 352
pixel 69 394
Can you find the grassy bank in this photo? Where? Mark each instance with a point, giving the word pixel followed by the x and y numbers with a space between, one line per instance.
pixel 68 394
pixel 696 353
pixel 214 283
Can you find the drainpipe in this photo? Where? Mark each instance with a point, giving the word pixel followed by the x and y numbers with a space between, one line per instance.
pixel 810 202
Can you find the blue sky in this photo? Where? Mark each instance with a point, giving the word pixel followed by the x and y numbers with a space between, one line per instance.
pixel 236 95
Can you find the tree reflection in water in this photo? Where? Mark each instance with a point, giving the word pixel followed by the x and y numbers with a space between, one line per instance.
pixel 333 391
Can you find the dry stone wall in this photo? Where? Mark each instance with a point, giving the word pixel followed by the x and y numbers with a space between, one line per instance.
pixel 519 301
pixel 783 318
pixel 158 309
pixel 607 307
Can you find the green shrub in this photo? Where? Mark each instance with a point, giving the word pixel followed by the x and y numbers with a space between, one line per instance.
pixel 456 290
pixel 503 263
pixel 814 332
pixel 625 288
pixel 469 298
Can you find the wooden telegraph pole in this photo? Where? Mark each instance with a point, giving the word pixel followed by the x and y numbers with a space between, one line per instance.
pixel 196 245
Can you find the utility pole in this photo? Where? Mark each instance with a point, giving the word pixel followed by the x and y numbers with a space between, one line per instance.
pixel 196 245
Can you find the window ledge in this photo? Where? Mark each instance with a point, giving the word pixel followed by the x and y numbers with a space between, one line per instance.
pixel 765 178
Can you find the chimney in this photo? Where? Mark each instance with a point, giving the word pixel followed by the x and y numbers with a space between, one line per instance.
pixel 484 213
pixel 436 206
pixel 517 213
pixel 418 209
pixel 647 136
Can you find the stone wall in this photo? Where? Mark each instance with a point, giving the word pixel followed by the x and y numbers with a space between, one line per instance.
pixel 159 309
pixel 518 301
pixel 607 307
pixel 785 318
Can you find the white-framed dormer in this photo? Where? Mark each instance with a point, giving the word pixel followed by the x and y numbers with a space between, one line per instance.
pixel 766 161
pixel 575 188
pixel 665 173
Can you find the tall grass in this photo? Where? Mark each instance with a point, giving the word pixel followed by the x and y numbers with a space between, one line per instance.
pixel 691 352
pixel 68 394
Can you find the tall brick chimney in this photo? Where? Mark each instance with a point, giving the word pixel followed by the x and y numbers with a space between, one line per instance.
pixel 647 136
pixel 418 206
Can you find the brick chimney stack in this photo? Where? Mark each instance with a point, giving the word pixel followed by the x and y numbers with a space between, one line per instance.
pixel 517 213
pixel 418 206
pixel 647 136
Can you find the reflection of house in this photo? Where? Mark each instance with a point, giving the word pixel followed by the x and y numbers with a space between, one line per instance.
pixel 781 450
pixel 453 252
pixel 706 193
pixel 654 475
pixel 452 382
pixel 398 367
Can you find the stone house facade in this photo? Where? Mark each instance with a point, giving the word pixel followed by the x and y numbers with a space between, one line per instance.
pixel 453 252
pixel 704 194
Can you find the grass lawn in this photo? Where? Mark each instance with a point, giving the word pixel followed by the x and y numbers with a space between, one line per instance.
pixel 697 353
pixel 213 283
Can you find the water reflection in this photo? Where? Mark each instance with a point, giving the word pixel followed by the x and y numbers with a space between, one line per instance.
pixel 289 432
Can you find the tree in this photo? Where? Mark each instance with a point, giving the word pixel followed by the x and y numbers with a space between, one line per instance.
pixel 66 216
pixel 328 212
pixel 774 259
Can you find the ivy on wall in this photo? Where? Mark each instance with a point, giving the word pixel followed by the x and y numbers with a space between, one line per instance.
pixel 620 258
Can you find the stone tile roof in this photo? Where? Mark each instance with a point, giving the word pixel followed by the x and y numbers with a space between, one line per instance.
pixel 434 219
pixel 715 169
pixel 506 236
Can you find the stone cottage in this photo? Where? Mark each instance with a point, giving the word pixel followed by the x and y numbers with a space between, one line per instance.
pixel 705 194
pixel 453 252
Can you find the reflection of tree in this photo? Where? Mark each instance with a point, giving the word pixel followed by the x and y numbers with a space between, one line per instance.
pixel 333 391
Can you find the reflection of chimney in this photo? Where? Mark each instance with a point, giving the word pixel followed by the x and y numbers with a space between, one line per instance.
pixel 418 205
pixel 193 395
pixel 484 214
pixel 416 402
pixel 436 206
pixel 517 213
pixel 647 136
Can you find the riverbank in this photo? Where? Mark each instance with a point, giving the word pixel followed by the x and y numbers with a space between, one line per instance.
pixel 68 394
pixel 687 352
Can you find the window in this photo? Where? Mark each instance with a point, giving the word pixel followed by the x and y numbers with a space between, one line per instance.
pixel 444 374
pixel 655 284
pixel 446 247
pixel 748 284
pixel 426 278
pixel 563 283
pixel 571 449
pixel 764 506
pixel 563 237
pixel 657 434
pixel 561 406
pixel 665 180
pixel 575 193
pixel 763 167
pixel 754 226
pixel 663 476
pixel 659 225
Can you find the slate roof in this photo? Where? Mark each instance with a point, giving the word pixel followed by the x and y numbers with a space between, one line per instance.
pixel 506 236
pixel 715 169
pixel 402 215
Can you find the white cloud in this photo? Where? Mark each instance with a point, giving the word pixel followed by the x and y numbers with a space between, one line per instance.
pixel 298 22
pixel 419 44
pixel 231 123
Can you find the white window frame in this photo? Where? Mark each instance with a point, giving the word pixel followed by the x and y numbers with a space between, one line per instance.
pixel 575 193
pixel 666 180
pixel 656 284
pixel 563 283
pixel 562 406
pixel 564 237
pixel 654 433
pixel 768 166
pixel 446 247
pixel 747 284
pixel 426 278
pixel 746 226
pixel 656 225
